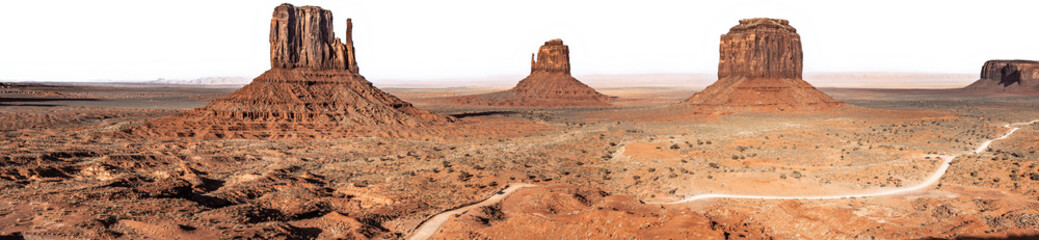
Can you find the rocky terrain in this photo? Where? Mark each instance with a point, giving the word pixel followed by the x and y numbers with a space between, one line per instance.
pixel 548 85
pixel 313 89
pixel 1008 76
pixel 760 70
pixel 74 176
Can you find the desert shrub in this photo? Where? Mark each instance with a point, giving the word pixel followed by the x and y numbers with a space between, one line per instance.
pixel 464 176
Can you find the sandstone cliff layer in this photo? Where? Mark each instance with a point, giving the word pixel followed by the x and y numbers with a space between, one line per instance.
pixel 548 85
pixel 759 69
pixel 760 48
pixel 303 37
pixel 1008 76
pixel 553 57
pixel 313 90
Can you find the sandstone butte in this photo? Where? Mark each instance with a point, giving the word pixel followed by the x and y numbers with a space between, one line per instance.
pixel 313 90
pixel 548 85
pixel 1008 76
pixel 759 70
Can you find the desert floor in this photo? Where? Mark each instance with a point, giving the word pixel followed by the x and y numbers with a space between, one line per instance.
pixel 69 170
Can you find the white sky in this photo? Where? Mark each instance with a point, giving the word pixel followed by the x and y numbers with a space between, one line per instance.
pixel 144 40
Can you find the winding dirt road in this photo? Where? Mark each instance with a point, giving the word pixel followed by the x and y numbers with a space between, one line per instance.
pixel 426 229
pixel 937 175
pixel 430 226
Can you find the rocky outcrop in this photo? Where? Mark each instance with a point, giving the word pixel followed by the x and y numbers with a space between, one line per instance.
pixel 759 69
pixel 313 90
pixel 302 37
pixel 553 57
pixel 1008 76
pixel 548 85
pixel 760 48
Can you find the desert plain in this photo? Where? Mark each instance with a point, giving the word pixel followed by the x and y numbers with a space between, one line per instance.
pixel 69 172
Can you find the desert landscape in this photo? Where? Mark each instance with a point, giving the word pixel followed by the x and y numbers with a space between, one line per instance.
pixel 311 149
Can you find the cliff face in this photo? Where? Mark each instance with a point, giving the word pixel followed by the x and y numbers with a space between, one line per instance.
pixel 553 57
pixel 1010 76
pixel 548 85
pixel 302 37
pixel 1009 72
pixel 761 48
pixel 312 90
pixel 759 69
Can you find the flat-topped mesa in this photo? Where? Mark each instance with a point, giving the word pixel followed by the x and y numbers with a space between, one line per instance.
pixel 1010 72
pixel 553 57
pixel 761 47
pixel 302 37
pixel 759 70
pixel 1011 76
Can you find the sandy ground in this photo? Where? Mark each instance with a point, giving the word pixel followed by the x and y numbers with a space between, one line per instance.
pixel 67 171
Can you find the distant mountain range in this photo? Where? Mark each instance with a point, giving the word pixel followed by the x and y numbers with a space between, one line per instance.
pixel 701 80
pixel 652 80
pixel 204 81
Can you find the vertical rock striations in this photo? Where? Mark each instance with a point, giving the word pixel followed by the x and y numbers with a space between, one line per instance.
pixel 761 48
pixel 548 85
pixel 313 90
pixel 350 50
pixel 302 37
pixel 553 57
pixel 1008 76
pixel 759 69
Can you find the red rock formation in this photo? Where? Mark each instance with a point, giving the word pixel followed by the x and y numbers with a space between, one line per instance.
pixel 553 57
pixel 1008 76
pixel 302 37
pixel 761 48
pixel 759 69
pixel 548 85
pixel 313 89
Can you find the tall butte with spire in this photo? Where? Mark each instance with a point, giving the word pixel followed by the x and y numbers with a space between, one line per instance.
pixel 548 85
pixel 313 90
pixel 759 70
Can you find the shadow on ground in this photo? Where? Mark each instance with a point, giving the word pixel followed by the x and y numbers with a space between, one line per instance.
pixel 1012 237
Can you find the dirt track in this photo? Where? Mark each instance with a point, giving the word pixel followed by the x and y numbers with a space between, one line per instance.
pixel 431 225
